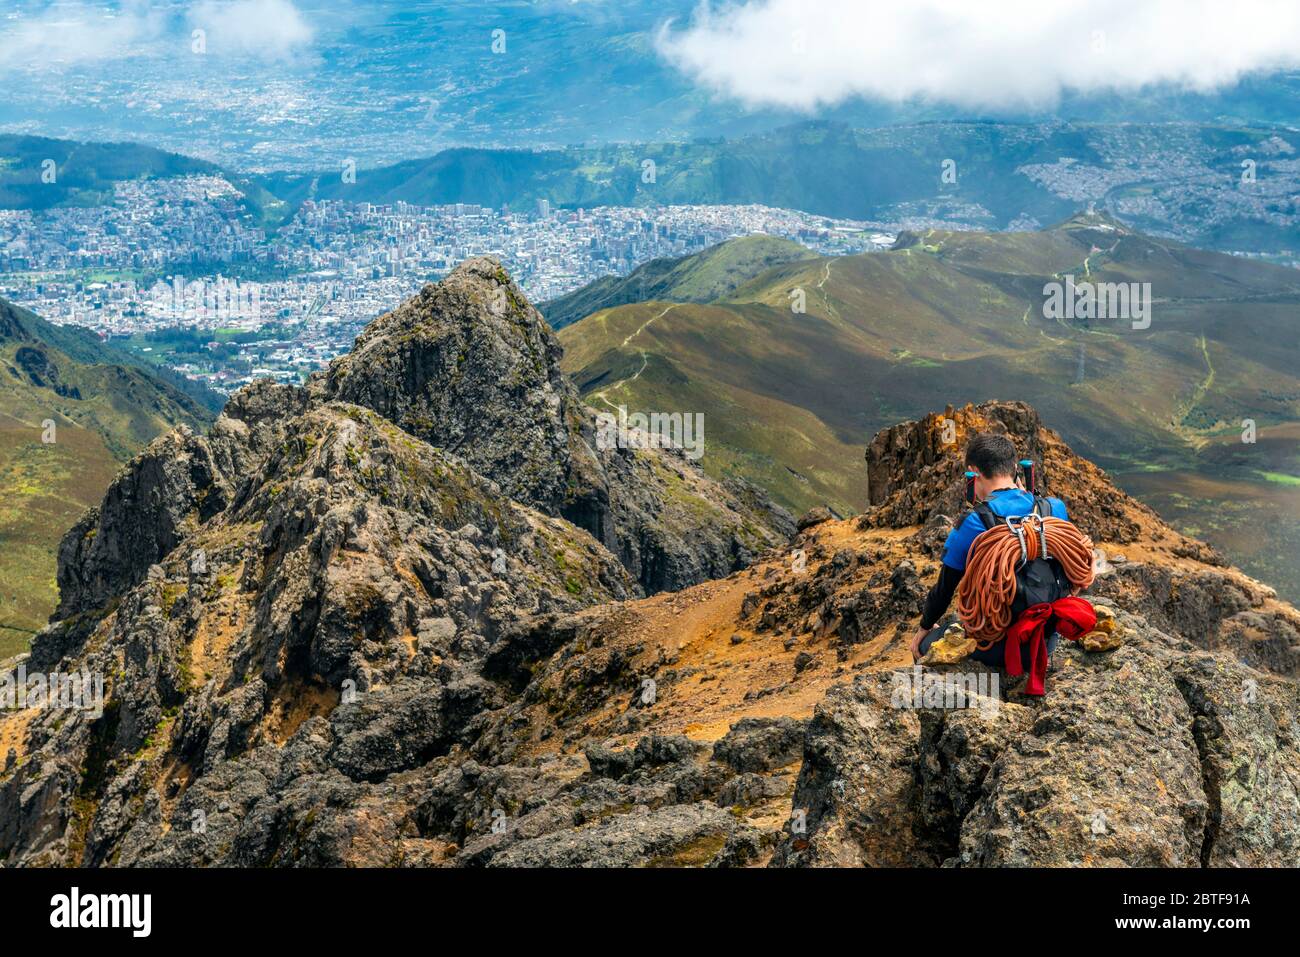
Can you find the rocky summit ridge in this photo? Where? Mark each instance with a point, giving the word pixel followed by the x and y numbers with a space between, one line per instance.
pixel 408 614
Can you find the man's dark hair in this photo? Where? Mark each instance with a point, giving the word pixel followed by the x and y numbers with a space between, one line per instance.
pixel 991 455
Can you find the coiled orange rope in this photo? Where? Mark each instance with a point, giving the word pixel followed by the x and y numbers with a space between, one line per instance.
pixel 988 588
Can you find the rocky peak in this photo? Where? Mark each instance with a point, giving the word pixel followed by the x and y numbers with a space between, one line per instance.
pixel 470 366
pixel 915 470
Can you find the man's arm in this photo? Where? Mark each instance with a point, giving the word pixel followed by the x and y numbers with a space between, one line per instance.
pixel 936 603
pixel 940 597
pixel 951 570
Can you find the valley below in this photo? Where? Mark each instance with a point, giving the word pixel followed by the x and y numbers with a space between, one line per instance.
pixel 1242 498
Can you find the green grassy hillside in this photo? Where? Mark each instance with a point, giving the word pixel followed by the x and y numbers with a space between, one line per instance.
pixel 701 277
pixel 790 398
pixel 103 410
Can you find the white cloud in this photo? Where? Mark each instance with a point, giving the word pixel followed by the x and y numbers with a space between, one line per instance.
pixel 73 32
pixel 267 28
pixel 1008 53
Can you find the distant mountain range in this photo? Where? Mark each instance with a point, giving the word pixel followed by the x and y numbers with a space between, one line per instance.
pixel 72 411
pixel 1179 180
pixel 790 397
pixel 82 174
pixel 1183 181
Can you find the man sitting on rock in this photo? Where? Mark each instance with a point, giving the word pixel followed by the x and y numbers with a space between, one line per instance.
pixel 993 460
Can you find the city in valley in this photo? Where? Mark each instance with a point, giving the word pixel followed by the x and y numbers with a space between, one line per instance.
pixel 177 270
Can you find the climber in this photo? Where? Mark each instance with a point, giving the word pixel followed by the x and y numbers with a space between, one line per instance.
pixel 1048 598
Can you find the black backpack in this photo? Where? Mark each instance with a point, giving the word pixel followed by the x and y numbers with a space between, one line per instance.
pixel 1039 578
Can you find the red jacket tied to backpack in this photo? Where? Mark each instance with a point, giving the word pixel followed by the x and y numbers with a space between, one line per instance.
pixel 1073 617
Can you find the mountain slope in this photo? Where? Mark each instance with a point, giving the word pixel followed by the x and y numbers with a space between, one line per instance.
pixel 701 277
pixel 84 174
pixel 384 661
pixel 958 317
pixel 102 409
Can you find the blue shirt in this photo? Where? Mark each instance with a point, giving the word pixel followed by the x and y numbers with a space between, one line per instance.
pixel 1008 501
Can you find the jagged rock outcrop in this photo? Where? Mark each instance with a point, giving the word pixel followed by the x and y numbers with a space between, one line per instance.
pixel 162 494
pixel 915 469
pixel 333 636
pixel 346 587
pixel 861 752
pixel 178 482
pixel 1154 754
pixel 256 421
pixel 469 365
